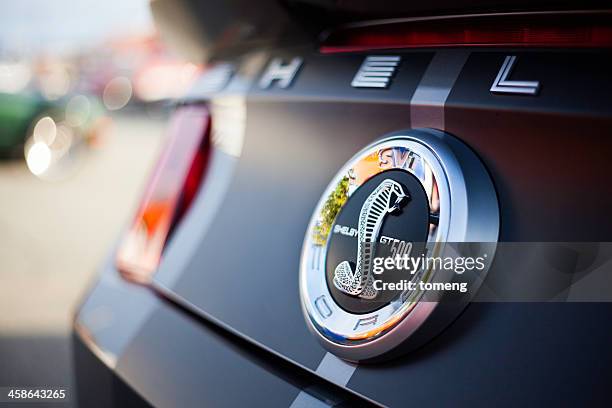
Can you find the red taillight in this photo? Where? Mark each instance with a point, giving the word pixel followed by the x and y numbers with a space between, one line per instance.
pixel 579 31
pixel 169 193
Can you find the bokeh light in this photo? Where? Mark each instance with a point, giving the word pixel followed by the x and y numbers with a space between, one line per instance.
pixel 78 110
pixel 45 131
pixel 38 158
pixel 117 93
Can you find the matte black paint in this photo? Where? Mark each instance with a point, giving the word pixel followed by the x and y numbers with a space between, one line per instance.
pixel 295 142
pixel 549 159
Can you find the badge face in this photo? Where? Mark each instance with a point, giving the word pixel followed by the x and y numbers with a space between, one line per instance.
pixel 406 194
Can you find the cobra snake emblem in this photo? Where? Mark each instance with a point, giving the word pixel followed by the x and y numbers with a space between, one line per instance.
pixel 373 212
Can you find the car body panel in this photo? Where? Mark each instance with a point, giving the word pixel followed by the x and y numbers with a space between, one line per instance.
pixel 233 262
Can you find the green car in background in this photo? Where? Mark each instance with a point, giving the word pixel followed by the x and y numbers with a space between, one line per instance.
pixel 55 127
pixel 17 113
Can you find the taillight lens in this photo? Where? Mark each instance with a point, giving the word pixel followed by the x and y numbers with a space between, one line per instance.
pixel 169 193
pixel 580 30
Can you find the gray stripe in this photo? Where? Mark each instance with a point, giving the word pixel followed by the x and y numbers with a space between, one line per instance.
pixel 427 103
pixel 332 369
pixel 426 110
pixel 305 400
pixel 335 369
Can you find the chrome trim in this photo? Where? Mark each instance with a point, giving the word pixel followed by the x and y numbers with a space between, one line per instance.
pixel 468 212
pixel 283 74
pixel 502 84
pixel 376 71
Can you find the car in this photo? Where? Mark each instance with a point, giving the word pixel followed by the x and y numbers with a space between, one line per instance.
pixel 388 204
pixel 18 112
pixel 49 134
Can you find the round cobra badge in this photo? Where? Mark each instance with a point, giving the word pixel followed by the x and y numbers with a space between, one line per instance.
pixel 419 194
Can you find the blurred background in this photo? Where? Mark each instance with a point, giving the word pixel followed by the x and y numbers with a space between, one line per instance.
pixel 85 90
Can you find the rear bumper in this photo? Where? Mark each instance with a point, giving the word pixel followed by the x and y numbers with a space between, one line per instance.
pixel 133 348
pixel 97 384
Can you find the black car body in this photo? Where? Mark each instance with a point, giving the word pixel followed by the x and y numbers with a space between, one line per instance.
pixel 219 322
